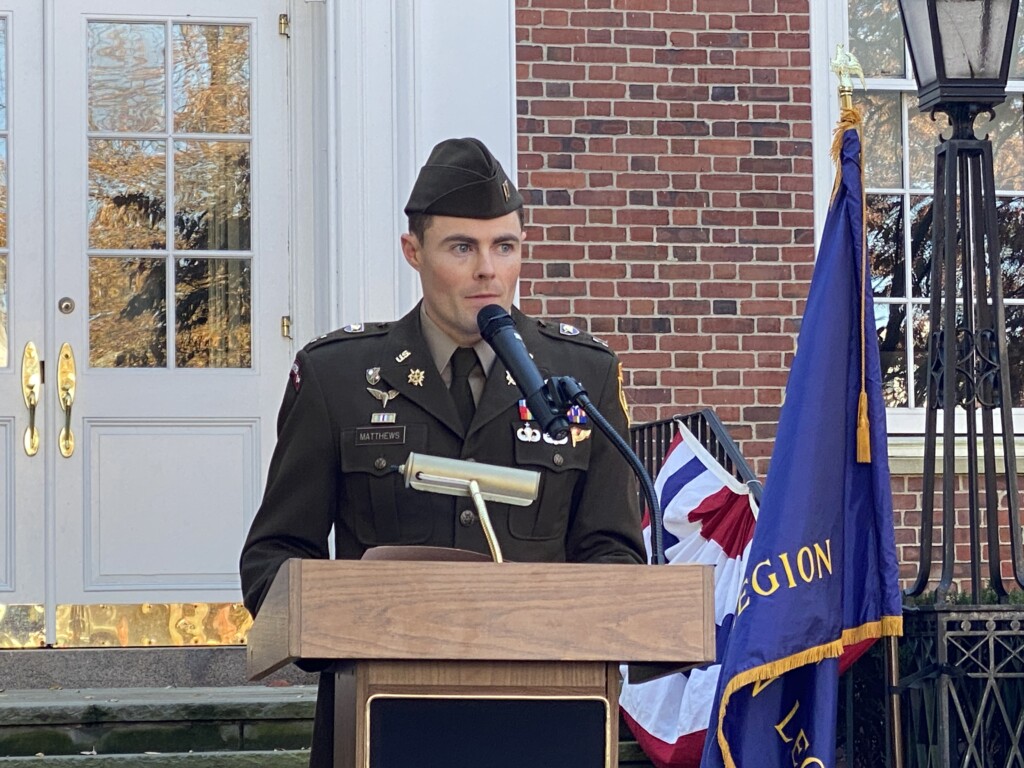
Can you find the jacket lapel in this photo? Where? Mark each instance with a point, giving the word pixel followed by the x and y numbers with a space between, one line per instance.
pixel 407 361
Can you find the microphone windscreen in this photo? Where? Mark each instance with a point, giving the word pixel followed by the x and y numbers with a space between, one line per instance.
pixel 492 319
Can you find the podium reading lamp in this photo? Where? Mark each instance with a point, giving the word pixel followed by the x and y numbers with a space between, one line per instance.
pixel 457 662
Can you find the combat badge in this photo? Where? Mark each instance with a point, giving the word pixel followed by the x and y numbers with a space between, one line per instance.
pixel 296 375
pixel 416 377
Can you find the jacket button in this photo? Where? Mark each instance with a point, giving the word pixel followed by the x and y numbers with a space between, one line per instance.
pixel 381 463
pixel 558 459
pixel 467 517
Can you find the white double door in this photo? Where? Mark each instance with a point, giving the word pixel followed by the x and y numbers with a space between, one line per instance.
pixel 144 209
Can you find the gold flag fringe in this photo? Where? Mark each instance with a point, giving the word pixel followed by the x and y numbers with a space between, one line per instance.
pixel 886 626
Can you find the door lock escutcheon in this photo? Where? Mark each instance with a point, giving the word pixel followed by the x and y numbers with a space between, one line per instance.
pixel 31 384
pixel 66 397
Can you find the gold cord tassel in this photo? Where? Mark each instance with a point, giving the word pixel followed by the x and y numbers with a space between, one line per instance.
pixel 863 430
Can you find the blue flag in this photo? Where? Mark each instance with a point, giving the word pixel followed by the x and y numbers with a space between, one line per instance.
pixel 822 571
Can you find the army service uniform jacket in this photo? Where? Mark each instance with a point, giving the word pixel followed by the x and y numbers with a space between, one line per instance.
pixel 333 467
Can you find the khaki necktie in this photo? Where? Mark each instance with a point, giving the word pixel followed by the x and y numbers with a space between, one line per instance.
pixel 463 362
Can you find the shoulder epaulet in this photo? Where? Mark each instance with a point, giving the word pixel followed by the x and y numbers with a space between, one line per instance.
pixel 567 332
pixel 348 333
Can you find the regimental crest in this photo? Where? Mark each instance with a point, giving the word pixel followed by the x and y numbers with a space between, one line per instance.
pixel 416 377
pixel 296 375
pixel 372 376
pixel 384 397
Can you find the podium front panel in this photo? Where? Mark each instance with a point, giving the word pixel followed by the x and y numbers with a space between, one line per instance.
pixel 497 732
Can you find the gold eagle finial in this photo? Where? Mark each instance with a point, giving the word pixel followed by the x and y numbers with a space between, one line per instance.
pixel 846 67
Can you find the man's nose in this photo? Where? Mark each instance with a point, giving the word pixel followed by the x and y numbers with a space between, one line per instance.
pixel 484 266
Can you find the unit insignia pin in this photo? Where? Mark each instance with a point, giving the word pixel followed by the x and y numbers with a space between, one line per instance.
pixel 579 434
pixel 402 356
pixel 568 330
pixel 353 328
pixel 296 375
pixel 416 377
pixel 384 397
pixel 509 380
pixel 372 375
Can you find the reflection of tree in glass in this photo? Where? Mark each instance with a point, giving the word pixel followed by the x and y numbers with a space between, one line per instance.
pixel 211 78
pixel 127 313
pixel 876 37
pixel 1010 215
pixel 885 245
pixel 886 249
pixel 882 129
pixel 128 210
pixel 214 313
pixel 212 202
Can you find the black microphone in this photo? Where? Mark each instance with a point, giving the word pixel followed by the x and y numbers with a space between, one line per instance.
pixel 499 330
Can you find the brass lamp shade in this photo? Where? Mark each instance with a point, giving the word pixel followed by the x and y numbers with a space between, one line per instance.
pixel 960 49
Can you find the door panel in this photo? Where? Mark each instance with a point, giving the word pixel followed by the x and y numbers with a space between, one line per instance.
pixel 22 477
pixel 170 186
pixel 144 208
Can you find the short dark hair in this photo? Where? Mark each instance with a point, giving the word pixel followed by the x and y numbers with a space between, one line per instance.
pixel 419 223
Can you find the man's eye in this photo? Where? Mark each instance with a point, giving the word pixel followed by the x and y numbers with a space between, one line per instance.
pixel 506 248
pixel 462 248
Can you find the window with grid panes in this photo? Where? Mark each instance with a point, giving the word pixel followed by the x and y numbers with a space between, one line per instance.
pixel 898 155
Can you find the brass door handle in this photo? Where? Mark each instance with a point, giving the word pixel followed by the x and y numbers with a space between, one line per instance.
pixel 31 384
pixel 66 397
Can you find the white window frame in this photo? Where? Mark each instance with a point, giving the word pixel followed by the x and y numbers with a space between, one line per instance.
pixel 829 28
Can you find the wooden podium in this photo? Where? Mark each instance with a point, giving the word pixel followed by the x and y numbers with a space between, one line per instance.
pixel 523 655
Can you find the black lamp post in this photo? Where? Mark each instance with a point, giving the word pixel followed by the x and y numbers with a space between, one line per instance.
pixel 961 53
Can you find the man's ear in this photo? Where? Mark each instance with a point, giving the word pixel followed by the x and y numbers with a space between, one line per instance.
pixel 412 250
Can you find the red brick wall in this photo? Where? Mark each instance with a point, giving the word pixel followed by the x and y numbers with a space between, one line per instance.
pixel 665 153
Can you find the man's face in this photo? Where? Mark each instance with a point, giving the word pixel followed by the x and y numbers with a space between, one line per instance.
pixel 464 265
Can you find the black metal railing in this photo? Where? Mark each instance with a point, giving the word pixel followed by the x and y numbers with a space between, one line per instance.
pixel 651 441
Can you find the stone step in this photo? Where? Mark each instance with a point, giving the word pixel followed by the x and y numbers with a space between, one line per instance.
pixel 253 759
pixel 139 720
pixel 209 727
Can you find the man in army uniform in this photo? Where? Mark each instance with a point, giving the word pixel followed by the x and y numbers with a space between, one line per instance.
pixel 362 398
